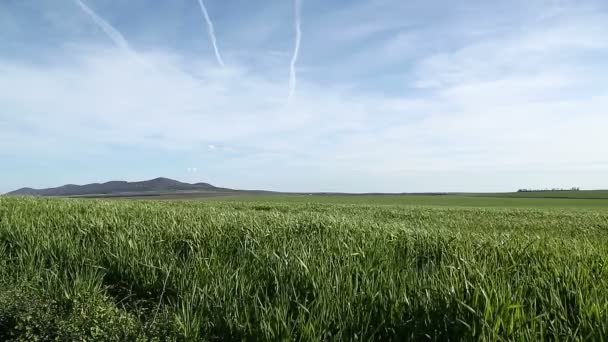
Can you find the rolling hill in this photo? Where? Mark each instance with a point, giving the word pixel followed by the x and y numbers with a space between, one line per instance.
pixel 153 186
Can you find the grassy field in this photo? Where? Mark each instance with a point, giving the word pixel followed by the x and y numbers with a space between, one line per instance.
pixel 504 200
pixel 304 268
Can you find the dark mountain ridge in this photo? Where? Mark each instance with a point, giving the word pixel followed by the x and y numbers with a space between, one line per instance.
pixel 156 185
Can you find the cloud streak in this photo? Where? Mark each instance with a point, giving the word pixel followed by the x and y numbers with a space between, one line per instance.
pixel 211 31
pixel 108 29
pixel 293 81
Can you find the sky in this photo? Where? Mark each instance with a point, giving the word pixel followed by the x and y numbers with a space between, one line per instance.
pixel 306 95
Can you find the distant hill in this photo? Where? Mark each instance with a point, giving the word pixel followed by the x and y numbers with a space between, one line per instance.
pixel 157 185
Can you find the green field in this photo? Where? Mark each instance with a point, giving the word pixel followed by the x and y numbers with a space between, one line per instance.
pixel 304 268
pixel 505 200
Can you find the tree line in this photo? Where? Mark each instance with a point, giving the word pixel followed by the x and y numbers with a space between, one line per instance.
pixel 553 189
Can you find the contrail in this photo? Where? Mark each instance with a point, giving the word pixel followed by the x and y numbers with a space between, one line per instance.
pixel 211 30
pixel 108 29
pixel 294 59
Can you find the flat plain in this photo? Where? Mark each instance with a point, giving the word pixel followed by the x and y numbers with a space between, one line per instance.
pixel 305 267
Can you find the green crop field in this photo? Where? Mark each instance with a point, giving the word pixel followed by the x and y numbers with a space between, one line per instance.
pixel 304 268
pixel 505 200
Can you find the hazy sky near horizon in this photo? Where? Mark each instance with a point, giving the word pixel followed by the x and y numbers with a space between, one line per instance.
pixel 388 95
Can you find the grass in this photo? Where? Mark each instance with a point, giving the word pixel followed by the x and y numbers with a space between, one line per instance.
pixel 504 200
pixel 301 268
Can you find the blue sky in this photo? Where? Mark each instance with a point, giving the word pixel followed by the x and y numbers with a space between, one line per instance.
pixel 389 95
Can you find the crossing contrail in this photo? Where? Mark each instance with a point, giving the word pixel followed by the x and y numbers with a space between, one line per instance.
pixel 294 59
pixel 211 30
pixel 108 29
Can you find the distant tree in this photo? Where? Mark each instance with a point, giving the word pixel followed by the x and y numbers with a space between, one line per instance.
pixel 549 189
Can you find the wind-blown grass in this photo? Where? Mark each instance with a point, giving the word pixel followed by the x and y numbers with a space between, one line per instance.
pixel 126 270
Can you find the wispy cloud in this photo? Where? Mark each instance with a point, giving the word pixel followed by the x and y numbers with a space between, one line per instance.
pixel 211 31
pixel 296 52
pixel 108 29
